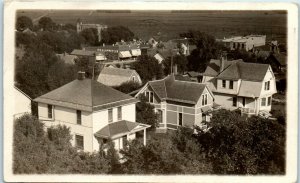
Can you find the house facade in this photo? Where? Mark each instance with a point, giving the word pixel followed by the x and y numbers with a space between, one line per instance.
pixel 111 76
pixel 179 103
pixel 240 85
pixel 245 42
pixel 22 103
pixel 81 26
pixel 95 114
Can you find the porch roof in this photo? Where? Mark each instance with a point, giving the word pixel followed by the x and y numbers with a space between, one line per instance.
pixel 119 128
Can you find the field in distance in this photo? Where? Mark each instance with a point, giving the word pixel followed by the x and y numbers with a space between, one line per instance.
pixel 168 24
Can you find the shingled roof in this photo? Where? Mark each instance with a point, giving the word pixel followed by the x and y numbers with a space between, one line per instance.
pixel 115 76
pixel 177 91
pixel 86 95
pixel 237 69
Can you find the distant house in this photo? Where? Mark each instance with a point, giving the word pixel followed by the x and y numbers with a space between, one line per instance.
pixel 278 62
pixel 195 76
pixel 135 51
pixel 159 58
pixel 179 103
pixel 96 56
pixel 245 42
pixel 22 103
pixel 236 84
pixel 80 27
pixel 116 76
pixel 94 112
pixel 67 58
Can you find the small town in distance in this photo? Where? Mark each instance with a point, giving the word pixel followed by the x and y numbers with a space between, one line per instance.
pixel 95 98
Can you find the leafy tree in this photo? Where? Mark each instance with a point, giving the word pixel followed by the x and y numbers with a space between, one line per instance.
pixel 24 22
pixel 128 86
pixel 89 36
pixel 246 56
pixel 24 39
pixel 207 48
pixel 47 24
pixel 148 68
pixel 161 155
pixel 236 145
pixel 37 152
pixel 111 35
pixel 179 60
pixel 145 113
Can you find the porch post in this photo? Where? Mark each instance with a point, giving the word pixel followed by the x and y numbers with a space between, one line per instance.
pixel 144 137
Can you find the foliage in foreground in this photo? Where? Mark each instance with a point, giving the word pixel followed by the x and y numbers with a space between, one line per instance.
pixel 173 153
pixel 145 113
pixel 244 146
pixel 40 152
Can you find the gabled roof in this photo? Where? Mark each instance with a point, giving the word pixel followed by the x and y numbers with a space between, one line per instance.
pixel 177 91
pixel 86 95
pixel 281 58
pixel 119 128
pixel 115 76
pixel 237 69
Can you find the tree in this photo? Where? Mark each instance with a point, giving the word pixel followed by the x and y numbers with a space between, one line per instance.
pixel 128 86
pixel 148 68
pixel 37 152
pixel 161 155
pixel 24 22
pixel 89 36
pixel 47 24
pixel 111 35
pixel 237 145
pixel 179 60
pixel 207 48
pixel 145 113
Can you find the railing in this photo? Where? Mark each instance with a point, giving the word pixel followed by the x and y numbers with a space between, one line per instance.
pixel 247 110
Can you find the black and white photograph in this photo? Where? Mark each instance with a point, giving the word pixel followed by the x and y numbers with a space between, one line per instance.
pixel 108 92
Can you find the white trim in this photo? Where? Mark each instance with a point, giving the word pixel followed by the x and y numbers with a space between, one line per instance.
pixel 142 90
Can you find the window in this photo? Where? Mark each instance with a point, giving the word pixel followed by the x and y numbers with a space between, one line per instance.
pixel 110 115
pixel 78 117
pixel 267 85
pixel 133 78
pixel 147 95
pixel 125 141
pixel 234 101
pixel 160 115
pixel 263 102
pixel 230 84
pixel 204 99
pixel 269 101
pixel 120 113
pixel 243 46
pixel 233 45
pixel 180 119
pixel 79 142
pixel 49 111
pixel 151 97
pixel 224 83
pixel 244 101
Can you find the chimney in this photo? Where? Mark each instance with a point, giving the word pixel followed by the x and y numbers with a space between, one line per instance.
pixel 222 60
pixel 80 75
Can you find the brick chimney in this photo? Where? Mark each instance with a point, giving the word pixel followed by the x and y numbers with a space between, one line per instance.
pixel 81 75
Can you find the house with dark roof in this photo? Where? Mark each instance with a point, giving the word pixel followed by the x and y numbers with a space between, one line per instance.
pixel 94 113
pixel 237 84
pixel 179 103
pixel 278 62
pixel 111 76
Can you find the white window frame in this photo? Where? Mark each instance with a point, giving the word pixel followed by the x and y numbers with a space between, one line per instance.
pixel 119 109
pixel 267 85
pixel 112 115
pixel 223 81
pixel 82 141
pixel 263 102
pixel 204 99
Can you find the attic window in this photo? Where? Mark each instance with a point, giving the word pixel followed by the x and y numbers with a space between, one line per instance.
pixel 230 84
pixel 204 99
pixel 267 85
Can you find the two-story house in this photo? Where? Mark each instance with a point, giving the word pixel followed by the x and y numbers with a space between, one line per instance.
pixel 94 112
pixel 237 84
pixel 179 103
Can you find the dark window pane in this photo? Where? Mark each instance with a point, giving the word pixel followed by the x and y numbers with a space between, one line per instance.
pixel 110 115
pixel 180 119
pixel 49 111
pixel 79 142
pixel 78 117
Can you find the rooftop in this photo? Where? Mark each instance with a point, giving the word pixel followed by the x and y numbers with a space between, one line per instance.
pixel 115 76
pixel 86 95
pixel 177 91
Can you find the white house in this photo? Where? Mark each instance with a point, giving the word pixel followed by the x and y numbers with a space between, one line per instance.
pixel 22 103
pixel 245 42
pixel 116 76
pixel 179 103
pixel 237 84
pixel 94 112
